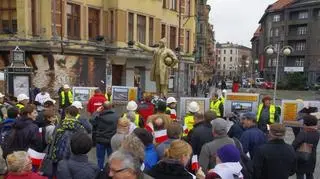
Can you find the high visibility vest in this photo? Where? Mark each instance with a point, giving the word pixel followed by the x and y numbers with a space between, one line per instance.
pixel 272 112
pixel 215 107
pixel 136 120
pixel 63 97
pixel 189 121
pixel 222 99
pixel 20 106
pixel 107 97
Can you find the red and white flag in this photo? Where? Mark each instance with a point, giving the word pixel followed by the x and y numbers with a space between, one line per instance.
pixel 194 163
pixel 160 136
pixel 36 157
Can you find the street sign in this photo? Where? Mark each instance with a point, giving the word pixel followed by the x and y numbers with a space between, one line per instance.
pixel 293 69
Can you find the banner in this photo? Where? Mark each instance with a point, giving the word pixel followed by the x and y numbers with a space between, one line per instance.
pixel 123 94
pixel 83 94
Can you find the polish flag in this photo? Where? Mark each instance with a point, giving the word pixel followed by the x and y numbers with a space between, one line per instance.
pixel 194 163
pixel 185 130
pixel 36 157
pixel 160 136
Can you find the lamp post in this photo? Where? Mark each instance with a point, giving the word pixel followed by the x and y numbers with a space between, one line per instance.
pixel 270 50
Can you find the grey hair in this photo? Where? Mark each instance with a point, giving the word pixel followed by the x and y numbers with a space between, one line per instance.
pixel 128 160
pixel 131 116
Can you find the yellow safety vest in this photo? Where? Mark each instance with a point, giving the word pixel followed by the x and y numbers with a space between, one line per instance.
pixel 20 106
pixel 214 106
pixel 189 121
pixel 222 99
pixel 63 97
pixel 136 120
pixel 107 97
pixel 272 112
pixel 78 116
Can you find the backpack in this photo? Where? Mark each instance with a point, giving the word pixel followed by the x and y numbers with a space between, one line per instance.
pixel 7 136
pixel 63 148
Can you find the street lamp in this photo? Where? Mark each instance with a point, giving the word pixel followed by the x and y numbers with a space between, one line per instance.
pixel 270 50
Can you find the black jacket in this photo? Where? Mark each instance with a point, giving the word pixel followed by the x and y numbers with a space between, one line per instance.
pixel 105 126
pixel 236 130
pixel 26 135
pixel 274 160
pixel 310 137
pixel 168 169
pixel 201 134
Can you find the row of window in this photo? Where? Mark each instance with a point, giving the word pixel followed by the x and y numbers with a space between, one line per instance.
pixel 298 62
pixel 296 15
pixel 225 51
pixel 301 30
pixel 174 5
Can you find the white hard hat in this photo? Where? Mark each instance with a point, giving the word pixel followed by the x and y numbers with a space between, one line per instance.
pixel 66 86
pixel 171 100
pixel 193 107
pixel 1 95
pixel 22 97
pixel 50 99
pixel 132 106
pixel 77 104
pixel 224 91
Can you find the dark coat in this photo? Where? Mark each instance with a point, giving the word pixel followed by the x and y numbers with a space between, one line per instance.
pixel 105 126
pixel 27 135
pixel 274 160
pixel 310 137
pixel 236 131
pixel 251 139
pixel 168 169
pixel 77 167
pixel 201 134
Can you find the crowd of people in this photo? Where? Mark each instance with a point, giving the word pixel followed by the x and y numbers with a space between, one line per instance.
pixel 42 139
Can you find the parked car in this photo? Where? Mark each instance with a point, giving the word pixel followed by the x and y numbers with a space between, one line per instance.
pixel 267 85
pixel 258 82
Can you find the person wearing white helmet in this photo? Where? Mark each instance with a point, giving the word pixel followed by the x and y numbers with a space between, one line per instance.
pixel 83 120
pixel 193 108
pixel 223 95
pixel 132 106
pixel 66 99
pixel 171 107
pixel 23 100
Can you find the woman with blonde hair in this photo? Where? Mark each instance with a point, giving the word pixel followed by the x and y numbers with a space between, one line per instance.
pixel 20 166
pixel 177 156
pixel 122 131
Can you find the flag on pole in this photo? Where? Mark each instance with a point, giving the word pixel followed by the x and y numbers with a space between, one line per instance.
pixel 36 157
pixel 160 136
pixel 194 163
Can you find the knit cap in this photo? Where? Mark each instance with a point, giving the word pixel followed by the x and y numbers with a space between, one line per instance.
pixel 228 153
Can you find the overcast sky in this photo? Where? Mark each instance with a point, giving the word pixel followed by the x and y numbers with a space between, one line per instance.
pixel 236 20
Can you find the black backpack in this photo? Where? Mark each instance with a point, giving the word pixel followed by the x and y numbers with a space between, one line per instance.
pixel 7 136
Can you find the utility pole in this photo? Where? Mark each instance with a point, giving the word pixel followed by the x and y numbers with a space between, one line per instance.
pixel 179 50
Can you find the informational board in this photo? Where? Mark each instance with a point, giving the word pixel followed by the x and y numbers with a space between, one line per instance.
pixel 83 94
pixel 204 104
pixel 241 103
pixel 123 94
pixel 289 112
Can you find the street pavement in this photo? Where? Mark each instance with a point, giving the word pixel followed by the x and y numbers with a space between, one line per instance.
pixel 281 94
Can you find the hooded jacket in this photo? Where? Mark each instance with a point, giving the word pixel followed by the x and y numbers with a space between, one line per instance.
pixel 27 135
pixel 228 170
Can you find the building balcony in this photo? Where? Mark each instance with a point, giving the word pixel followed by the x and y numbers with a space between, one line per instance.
pixel 295 36
pixel 298 21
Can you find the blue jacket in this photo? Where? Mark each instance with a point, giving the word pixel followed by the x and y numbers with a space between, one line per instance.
pixel 77 167
pixel 251 139
pixel 151 157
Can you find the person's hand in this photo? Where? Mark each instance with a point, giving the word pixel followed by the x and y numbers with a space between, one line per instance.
pixel 200 174
pixel 100 109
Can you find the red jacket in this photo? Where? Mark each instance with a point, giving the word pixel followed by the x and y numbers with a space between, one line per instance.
pixel 28 175
pixel 145 110
pixel 95 102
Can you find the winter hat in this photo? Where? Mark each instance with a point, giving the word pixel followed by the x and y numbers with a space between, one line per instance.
pixel 228 153
pixel 145 136
pixel 278 130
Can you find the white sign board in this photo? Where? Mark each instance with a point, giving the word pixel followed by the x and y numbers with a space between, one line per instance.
pixel 293 69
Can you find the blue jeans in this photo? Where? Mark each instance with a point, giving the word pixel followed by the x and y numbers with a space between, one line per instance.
pixel 101 153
